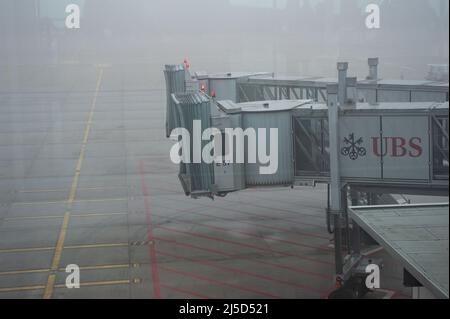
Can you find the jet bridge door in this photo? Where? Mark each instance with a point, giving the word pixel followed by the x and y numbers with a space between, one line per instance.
pixel 382 147
pixel 311 146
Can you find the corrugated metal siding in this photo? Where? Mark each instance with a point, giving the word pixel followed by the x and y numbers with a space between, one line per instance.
pixel 285 173
pixel 191 107
pixel 175 83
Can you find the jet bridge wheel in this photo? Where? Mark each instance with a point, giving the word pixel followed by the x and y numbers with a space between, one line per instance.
pixel 355 288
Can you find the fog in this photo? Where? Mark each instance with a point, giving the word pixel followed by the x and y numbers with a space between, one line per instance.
pixel 87 173
pixel 285 36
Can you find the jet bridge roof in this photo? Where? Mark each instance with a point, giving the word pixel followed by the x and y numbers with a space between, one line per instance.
pixel 262 106
pixel 313 81
pixel 385 107
pixel 417 235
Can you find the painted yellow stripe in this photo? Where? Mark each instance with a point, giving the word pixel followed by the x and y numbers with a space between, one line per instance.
pixel 99 215
pixel 103 267
pixel 39 203
pixel 34 218
pixel 25 250
pixel 48 292
pixel 86 284
pixel 89 246
pixel 97 246
pixel 33 271
pixel 121 199
pixel 15 289
pixel 60 242
pixel 22 272
pixel 72 194
pixel 101 283
pixel 60 190
pixel 62 216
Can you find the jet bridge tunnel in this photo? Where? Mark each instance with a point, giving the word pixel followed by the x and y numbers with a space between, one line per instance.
pixel 392 144
pixel 391 147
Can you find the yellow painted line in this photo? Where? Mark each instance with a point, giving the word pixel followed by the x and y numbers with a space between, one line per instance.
pixel 48 292
pixel 103 267
pixel 62 216
pixel 96 246
pixel 86 284
pixel 33 191
pixel 38 203
pixel 122 199
pixel 33 249
pixel 33 218
pixel 100 283
pixel 28 288
pixel 59 190
pixel 25 250
pixel 99 215
pixel 60 242
pixel 22 272
pixel 72 194
pixel 33 271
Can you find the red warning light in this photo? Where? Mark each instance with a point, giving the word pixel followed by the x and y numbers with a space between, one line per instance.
pixel 186 64
pixel 213 93
pixel 203 88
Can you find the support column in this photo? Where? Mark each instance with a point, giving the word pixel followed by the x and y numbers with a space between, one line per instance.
pixel 342 84
pixel 335 180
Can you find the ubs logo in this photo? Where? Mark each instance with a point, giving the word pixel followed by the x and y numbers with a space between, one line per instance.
pixel 394 147
pixel 397 147
pixel 354 147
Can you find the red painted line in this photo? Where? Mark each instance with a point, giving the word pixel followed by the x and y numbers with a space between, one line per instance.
pixel 254 236
pixel 244 273
pixel 219 283
pixel 253 214
pixel 261 262
pixel 277 217
pixel 306 234
pixel 244 245
pixel 287 211
pixel 293 221
pixel 321 247
pixel 152 250
pixel 183 291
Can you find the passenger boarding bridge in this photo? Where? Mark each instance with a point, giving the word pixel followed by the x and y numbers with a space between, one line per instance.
pixel 372 89
pixel 367 137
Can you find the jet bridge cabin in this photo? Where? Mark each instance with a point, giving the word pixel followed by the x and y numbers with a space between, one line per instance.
pixel 387 144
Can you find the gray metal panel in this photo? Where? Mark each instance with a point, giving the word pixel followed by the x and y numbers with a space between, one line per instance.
pixel 191 107
pixel 321 82
pixel 239 169
pixel 393 96
pixel 358 160
pixel 225 89
pixel 417 235
pixel 285 173
pixel 403 161
pixel 263 106
pixel 380 108
pixel 273 106
pixel 236 75
pixel 367 95
pixel 175 83
pixel 228 177
pixel 421 96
